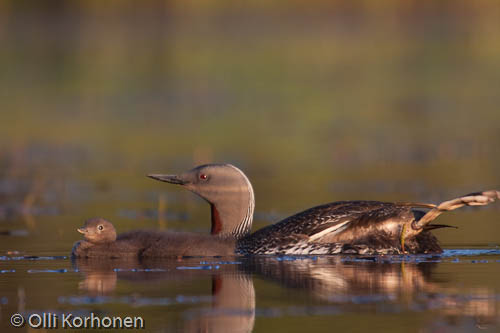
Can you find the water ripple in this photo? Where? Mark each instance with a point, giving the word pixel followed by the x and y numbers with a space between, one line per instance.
pixel 469 252
pixel 139 270
pixel 62 270
pixel 133 300
pixel 7 258
pixel 204 267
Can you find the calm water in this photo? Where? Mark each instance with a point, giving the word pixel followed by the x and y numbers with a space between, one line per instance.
pixel 456 292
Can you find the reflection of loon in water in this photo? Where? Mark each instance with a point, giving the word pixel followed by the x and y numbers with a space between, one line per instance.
pixel 349 284
pixel 330 277
pixel 231 307
pixel 358 227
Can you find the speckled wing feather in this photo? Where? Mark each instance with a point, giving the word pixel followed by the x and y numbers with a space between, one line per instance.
pixel 305 229
pixel 326 217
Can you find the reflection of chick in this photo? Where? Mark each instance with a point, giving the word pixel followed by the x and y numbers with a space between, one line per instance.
pixel 101 241
pixel 98 283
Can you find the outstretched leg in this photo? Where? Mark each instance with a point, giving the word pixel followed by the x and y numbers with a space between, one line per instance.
pixel 472 199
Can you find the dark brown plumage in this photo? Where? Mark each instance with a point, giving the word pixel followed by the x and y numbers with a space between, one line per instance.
pixel 101 241
pixel 360 227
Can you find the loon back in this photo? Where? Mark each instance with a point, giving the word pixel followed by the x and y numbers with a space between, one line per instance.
pixel 362 227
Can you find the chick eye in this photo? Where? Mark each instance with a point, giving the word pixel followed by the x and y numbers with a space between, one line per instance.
pixel 203 176
pixel 100 227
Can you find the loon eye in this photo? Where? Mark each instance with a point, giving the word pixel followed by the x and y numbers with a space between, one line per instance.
pixel 100 227
pixel 203 176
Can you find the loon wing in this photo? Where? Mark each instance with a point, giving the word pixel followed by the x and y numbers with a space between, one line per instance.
pixel 333 218
pixel 338 217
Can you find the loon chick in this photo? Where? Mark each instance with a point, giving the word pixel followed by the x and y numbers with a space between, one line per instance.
pixel 101 241
pixel 359 227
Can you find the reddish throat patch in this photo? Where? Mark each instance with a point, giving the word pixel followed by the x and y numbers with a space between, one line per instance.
pixel 216 221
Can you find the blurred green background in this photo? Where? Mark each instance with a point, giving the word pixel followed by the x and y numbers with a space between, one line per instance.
pixel 315 101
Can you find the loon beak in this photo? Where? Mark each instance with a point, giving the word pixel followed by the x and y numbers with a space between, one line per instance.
pixel 82 230
pixel 172 179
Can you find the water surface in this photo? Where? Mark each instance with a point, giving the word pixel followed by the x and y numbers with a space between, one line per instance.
pixel 456 291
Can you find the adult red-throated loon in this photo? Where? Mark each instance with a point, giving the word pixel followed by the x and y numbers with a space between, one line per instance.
pixel 364 227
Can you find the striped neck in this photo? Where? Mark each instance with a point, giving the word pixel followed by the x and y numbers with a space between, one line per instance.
pixel 233 216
